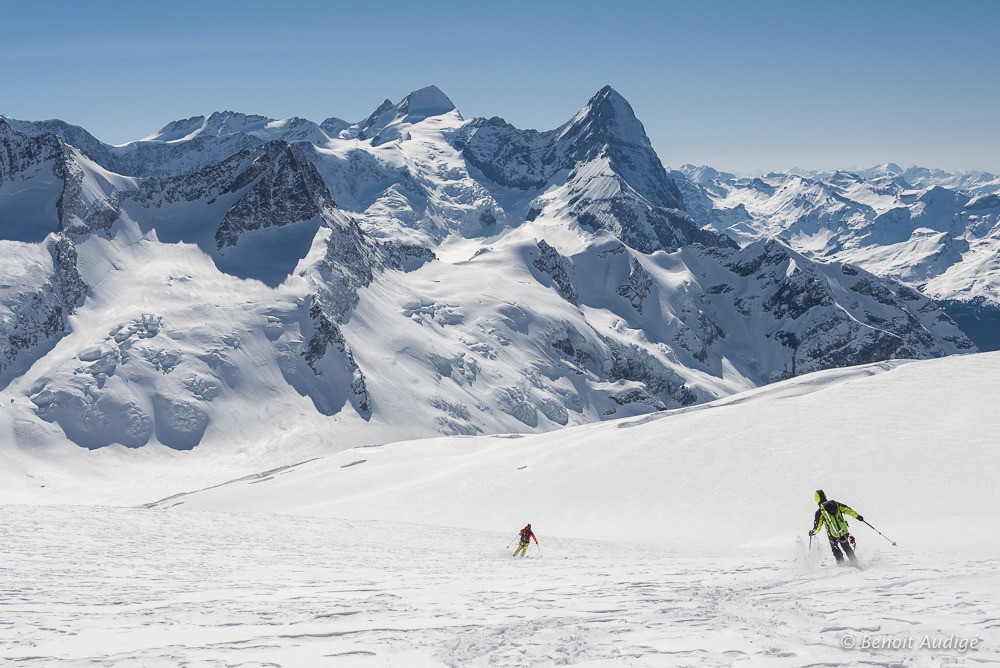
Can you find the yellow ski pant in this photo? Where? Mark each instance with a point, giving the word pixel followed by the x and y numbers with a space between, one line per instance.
pixel 522 548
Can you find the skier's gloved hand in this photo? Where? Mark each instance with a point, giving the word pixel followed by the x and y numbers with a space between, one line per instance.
pixel 860 518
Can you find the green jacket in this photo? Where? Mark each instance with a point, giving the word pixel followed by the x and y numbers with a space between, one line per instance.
pixel 831 514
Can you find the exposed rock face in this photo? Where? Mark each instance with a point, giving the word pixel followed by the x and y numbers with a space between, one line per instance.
pixel 286 189
pixel 31 171
pixel 835 315
pixel 72 135
pixel 638 286
pixel 35 304
pixel 347 266
pixel 20 153
pixel 800 315
pixel 273 183
pixel 557 267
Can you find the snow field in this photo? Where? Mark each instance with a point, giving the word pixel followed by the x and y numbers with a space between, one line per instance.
pixel 117 586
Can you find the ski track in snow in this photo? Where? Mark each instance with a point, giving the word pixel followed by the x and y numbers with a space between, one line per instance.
pixel 115 586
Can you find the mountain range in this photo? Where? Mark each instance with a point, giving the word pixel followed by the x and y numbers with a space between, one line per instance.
pixel 247 284
pixel 935 231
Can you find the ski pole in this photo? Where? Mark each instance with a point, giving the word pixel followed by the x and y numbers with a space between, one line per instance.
pixel 539 550
pixel 881 534
pixel 810 543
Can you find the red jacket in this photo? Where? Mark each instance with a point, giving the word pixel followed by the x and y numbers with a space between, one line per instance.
pixel 527 534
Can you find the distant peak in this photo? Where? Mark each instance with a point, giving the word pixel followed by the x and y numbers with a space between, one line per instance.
pixel 703 174
pixel 415 106
pixel 333 126
pixel 179 128
pixel 218 124
pixel 426 102
pixel 226 115
pixel 230 122
pixel 607 93
pixel 844 176
pixel 609 97
pixel 607 115
pixel 608 106
pixel 382 108
pixel 890 168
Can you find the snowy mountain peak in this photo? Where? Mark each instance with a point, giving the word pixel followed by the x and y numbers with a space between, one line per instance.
pixel 609 95
pixel 890 170
pixel 426 102
pixel 608 113
pixel 704 175
pixel 933 230
pixel 73 135
pixel 218 124
pixel 178 129
pixel 334 126
pixel 8 124
pixel 841 177
pixel 607 124
pixel 607 129
pixel 416 106
pixel 222 123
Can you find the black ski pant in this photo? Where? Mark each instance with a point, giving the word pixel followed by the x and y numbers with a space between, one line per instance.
pixel 842 543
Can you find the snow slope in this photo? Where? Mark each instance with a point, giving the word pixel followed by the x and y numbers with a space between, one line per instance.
pixel 666 540
pixel 910 446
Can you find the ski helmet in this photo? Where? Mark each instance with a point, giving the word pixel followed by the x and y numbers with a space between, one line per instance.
pixel 820 496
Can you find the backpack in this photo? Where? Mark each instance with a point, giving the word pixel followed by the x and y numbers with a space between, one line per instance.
pixel 836 525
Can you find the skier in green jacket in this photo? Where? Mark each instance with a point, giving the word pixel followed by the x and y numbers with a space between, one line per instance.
pixel 831 514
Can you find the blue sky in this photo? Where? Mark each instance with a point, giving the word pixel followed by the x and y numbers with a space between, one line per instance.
pixel 736 85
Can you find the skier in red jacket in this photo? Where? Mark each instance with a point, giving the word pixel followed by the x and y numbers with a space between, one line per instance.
pixel 525 536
